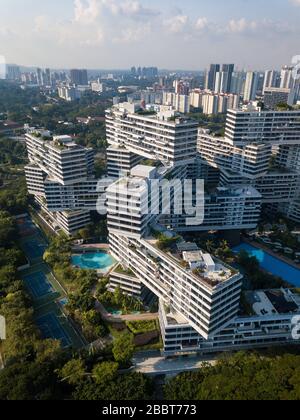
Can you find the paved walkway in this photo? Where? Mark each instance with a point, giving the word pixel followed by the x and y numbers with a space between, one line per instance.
pixel 91 246
pixel 161 366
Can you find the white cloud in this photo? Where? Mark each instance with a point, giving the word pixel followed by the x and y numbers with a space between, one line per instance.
pixel 129 8
pixel 202 23
pixel 86 11
pixel 177 24
pixel 131 35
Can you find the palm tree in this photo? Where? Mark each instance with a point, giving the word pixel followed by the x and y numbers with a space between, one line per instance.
pixel 210 246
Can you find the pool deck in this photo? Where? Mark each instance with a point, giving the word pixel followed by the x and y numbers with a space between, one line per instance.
pixel 272 253
pixel 94 247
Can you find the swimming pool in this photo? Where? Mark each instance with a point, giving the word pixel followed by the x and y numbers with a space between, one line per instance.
pixel 271 264
pixel 94 261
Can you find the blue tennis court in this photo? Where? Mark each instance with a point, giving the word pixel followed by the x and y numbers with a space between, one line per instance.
pixel 34 249
pixel 50 327
pixel 38 284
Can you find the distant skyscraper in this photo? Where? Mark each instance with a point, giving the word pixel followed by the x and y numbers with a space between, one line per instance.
pixel 79 77
pixel 238 82
pixel 47 77
pixel 271 79
pixel 226 78
pixel 211 76
pixel 39 77
pixel 251 86
pixel 13 72
pixel 286 77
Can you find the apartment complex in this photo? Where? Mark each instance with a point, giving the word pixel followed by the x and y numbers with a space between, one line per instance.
pixel 200 296
pixel 60 175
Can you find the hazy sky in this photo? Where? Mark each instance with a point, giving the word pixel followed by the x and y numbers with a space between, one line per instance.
pixel 185 34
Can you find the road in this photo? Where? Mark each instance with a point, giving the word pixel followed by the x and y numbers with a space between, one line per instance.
pixel 161 366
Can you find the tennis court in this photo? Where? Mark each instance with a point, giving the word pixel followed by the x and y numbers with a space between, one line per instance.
pixel 50 327
pixel 38 284
pixel 26 227
pixel 34 248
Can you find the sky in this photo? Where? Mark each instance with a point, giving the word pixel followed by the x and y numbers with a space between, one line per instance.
pixel 169 34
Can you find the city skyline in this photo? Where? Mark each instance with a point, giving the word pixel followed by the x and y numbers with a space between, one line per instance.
pixel 82 33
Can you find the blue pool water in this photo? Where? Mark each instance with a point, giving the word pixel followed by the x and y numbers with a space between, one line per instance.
pixel 271 264
pixel 94 261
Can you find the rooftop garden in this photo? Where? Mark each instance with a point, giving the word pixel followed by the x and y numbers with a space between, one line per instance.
pixel 164 243
pixel 146 113
pixel 119 302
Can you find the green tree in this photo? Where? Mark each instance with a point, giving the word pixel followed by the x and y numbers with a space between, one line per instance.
pixel 123 348
pixel 73 372
pixel 105 372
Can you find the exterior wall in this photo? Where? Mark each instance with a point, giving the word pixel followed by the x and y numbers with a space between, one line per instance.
pixel 207 307
pixel 152 137
pixel 120 161
pixel 128 284
pixel 242 334
pixel 267 126
pixel 60 176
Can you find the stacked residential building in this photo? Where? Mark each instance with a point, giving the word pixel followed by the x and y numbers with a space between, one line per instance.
pixel 60 176
pixel 200 296
pixel 252 137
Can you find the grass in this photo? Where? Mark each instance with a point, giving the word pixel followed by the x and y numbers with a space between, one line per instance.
pixel 140 327
pixel 154 325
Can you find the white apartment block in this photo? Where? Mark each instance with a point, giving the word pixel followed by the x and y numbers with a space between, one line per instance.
pixel 251 86
pixel 227 208
pixel 180 103
pixel 120 161
pixel 60 176
pixel 164 136
pixel 274 127
pixel 287 79
pixel 69 93
pixel 205 292
pixel 271 323
pixel 219 103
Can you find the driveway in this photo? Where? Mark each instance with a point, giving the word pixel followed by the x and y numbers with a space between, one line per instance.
pixel 161 366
